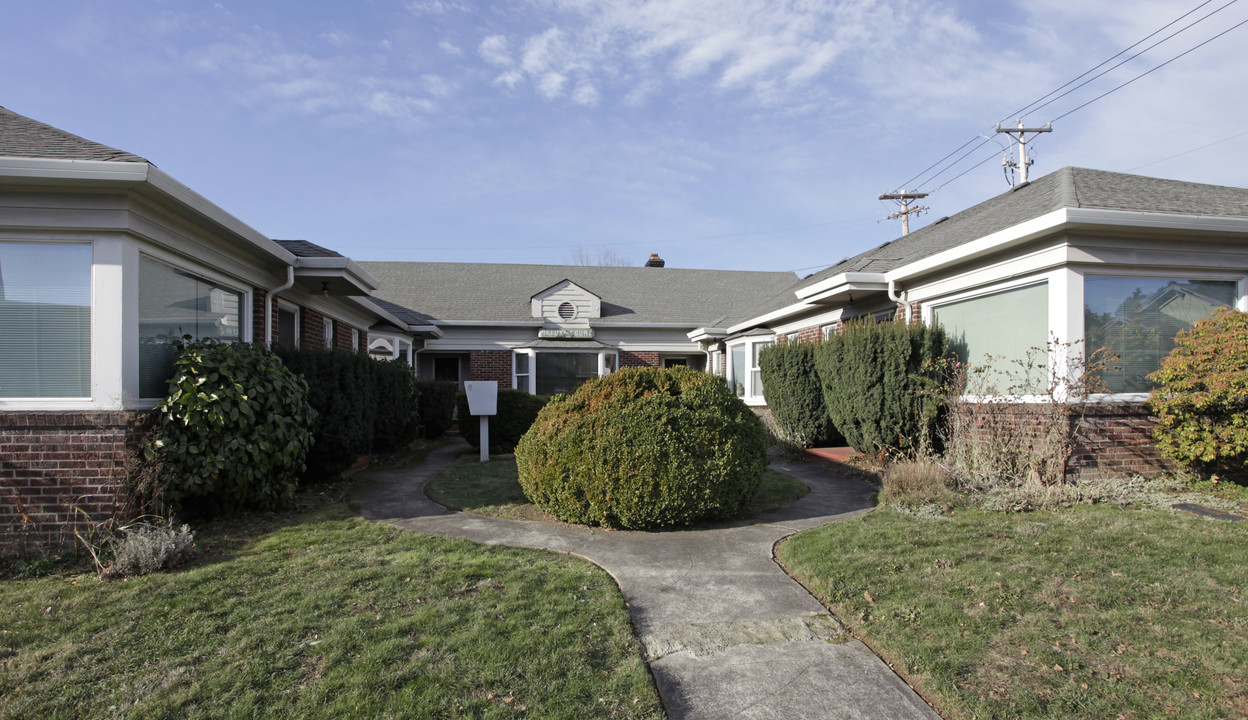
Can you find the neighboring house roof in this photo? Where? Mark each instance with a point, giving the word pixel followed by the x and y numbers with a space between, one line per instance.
pixel 22 137
pixel 485 292
pixel 303 248
pixel 1070 187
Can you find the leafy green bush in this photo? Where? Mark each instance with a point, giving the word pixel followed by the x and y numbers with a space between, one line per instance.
pixel 437 406
pixel 516 412
pixel 644 447
pixel 792 390
pixel 397 404
pixel 1202 401
pixel 880 383
pixel 234 431
pixel 340 389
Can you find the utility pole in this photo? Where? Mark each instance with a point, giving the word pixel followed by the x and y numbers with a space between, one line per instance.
pixel 1024 161
pixel 904 198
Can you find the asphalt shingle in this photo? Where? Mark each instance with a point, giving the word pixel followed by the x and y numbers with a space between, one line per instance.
pixel 22 137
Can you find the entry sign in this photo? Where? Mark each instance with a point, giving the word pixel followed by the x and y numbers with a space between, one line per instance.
pixel 483 401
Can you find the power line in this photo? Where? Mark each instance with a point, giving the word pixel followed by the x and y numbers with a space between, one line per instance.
pixel 1188 152
pixel 1034 105
pixel 1029 107
pixel 1150 71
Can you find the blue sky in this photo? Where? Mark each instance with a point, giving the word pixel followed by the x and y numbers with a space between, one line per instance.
pixel 733 134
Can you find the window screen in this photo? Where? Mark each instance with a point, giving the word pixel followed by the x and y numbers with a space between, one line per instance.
pixel 1138 318
pixel 45 320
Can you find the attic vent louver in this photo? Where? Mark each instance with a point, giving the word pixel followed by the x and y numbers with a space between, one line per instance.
pixel 567 311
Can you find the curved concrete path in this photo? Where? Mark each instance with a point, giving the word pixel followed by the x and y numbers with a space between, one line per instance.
pixel 726 632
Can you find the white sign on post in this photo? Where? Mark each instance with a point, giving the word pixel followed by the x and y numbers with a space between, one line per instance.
pixel 483 402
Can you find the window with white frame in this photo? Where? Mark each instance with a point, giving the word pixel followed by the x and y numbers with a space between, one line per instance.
pixel 45 320
pixel 1137 319
pixel 744 377
pixel 521 370
pixel 828 331
pixel 717 364
pixel 1005 333
pixel 288 330
pixel 329 333
pixel 172 304
pixel 355 340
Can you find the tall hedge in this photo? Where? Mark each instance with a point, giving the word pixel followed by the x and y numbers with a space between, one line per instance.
pixel 233 432
pixel 880 385
pixel 1202 401
pixel 516 412
pixel 644 447
pixel 363 405
pixel 437 406
pixel 794 395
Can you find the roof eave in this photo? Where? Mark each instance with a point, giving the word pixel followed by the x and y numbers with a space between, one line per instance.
pixel 845 278
pixel 783 312
pixel 342 271
pixel 142 178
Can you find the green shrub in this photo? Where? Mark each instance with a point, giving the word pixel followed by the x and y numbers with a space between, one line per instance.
pixel 516 412
pixel 644 447
pixel 1202 402
pixel 145 548
pixel 437 406
pixel 234 431
pixel 397 404
pixel 880 384
pixel 792 390
pixel 340 389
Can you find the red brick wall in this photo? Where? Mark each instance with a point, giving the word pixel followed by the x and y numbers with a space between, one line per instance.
pixel 1117 439
pixel 311 328
pixel 54 462
pixel 257 314
pixel 639 359
pixel 1113 439
pixel 490 365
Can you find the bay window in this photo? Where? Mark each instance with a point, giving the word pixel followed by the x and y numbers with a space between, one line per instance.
pixel 1137 319
pixel 744 377
pixel 174 303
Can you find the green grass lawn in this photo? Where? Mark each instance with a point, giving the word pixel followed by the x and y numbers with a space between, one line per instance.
pixel 493 489
pixel 1095 612
pixel 326 615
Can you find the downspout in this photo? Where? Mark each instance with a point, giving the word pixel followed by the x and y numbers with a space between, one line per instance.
pixel 268 304
pixel 892 295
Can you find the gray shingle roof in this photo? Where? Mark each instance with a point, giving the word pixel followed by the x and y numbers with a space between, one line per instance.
pixel 407 315
pixel 303 248
pixel 22 137
pixel 501 292
pixel 1070 187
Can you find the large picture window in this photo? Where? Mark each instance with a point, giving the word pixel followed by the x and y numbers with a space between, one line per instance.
pixel 174 303
pixel 1006 333
pixel 1138 318
pixel 561 372
pixel 45 320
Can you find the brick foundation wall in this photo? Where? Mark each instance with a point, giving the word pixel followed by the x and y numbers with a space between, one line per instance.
pixel 1113 439
pixel 639 359
pixel 54 462
pixel 1117 439
pixel 490 365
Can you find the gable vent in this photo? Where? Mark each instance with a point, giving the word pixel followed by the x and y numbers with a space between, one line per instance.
pixel 567 311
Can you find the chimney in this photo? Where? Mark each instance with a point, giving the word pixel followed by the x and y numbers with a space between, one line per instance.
pixel 655 261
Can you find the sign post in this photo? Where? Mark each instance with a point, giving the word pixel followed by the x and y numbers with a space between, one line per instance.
pixel 483 402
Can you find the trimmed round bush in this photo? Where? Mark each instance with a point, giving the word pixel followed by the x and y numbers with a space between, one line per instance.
pixel 641 448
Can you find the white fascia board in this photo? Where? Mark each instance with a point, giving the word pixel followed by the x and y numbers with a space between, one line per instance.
pixel 866 287
pixel 1069 218
pixel 143 178
pixel 492 323
pixel 656 325
pixel 345 267
pixel 836 281
pixel 707 333
pixel 773 315
pixel 16 169
pixel 431 330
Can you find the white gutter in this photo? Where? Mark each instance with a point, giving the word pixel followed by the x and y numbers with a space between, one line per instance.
pixel 892 295
pixel 773 315
pixel 361 277
pixel 268 304
pixel 847 278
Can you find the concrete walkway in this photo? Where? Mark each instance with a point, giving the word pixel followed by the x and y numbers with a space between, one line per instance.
pixel 726 632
